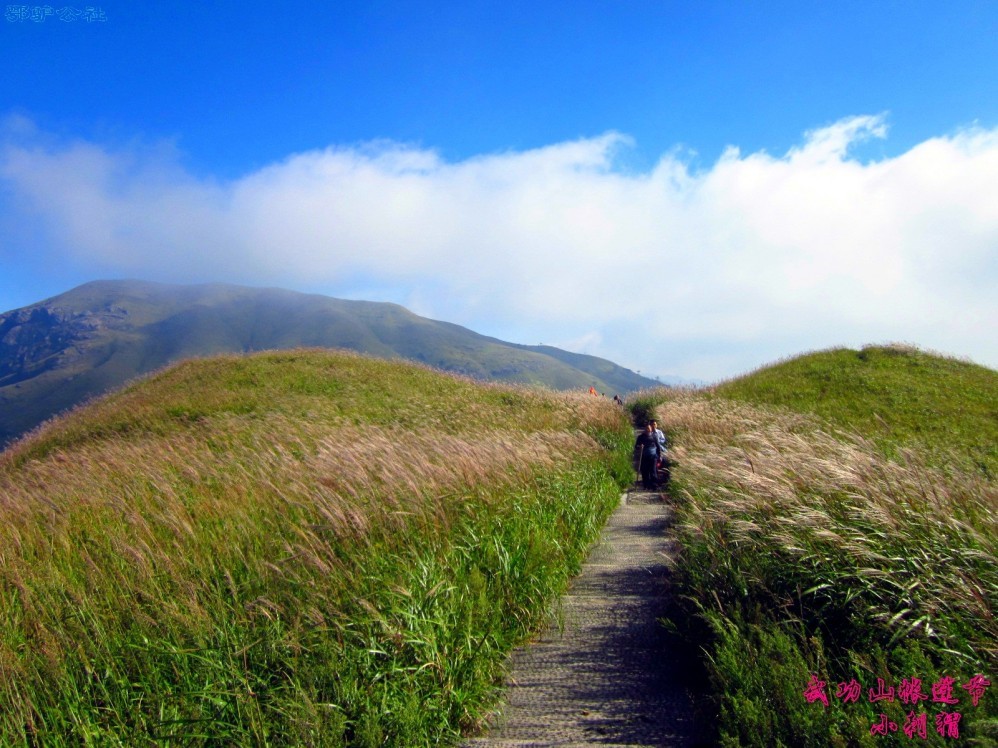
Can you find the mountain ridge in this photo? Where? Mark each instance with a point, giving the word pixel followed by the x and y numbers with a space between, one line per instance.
pixel 63 350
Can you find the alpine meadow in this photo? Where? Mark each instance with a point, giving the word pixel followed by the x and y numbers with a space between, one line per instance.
pixel 315 547
pixel 839 523
pixel 499 374
pixel 306 548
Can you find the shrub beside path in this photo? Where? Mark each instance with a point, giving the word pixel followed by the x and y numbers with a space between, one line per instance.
pixel 605 672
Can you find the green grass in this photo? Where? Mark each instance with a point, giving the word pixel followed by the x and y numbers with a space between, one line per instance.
pixel 336 389
pixel 299 548
pixel 825 534
pixel 895 395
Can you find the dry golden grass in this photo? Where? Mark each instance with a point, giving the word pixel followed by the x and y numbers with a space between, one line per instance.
pixel 166 531
pixel 188 498
pixel 919 544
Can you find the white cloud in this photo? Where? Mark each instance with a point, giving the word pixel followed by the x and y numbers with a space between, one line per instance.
pixel 756 257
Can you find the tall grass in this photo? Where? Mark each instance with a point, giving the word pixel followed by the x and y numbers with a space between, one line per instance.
pixel 288 549
pixel 894 395
pixel 812 550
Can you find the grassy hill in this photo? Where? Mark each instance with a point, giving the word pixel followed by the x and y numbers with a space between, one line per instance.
pixel 98 336
pixel 289 548
pixel 839 523
pixel 895 395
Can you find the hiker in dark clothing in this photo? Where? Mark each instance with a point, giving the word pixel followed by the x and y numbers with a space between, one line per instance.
pixel 647 451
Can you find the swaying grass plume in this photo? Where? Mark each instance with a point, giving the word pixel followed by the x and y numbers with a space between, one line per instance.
pixel 300 548
pixel 894 395
pixel 846 554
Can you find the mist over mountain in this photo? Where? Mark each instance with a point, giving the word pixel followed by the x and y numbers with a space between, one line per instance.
pixel 94 338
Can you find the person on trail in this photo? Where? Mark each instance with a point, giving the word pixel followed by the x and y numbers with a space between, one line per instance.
pixel 663 457
pixel 660 435
pixel 592 391
pixel 647 451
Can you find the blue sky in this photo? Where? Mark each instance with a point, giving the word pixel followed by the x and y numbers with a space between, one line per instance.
pixel 686 188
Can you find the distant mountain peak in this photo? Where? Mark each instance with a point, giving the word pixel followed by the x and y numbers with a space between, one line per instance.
pixel 97 336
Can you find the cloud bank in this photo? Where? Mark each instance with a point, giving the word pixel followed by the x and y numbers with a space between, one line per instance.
pixel 697 272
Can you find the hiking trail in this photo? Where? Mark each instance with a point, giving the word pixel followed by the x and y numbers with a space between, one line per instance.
pixel 605 672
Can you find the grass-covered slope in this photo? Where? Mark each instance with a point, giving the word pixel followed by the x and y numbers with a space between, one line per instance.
pixel 94 338
pixel 299 548
pixel 822 542
pixel 897 395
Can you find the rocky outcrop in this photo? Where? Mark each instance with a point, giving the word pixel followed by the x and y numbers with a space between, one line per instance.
pixel 40 338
